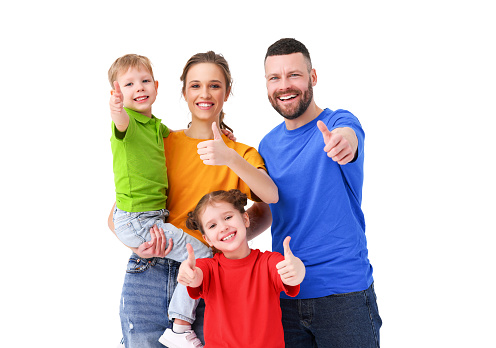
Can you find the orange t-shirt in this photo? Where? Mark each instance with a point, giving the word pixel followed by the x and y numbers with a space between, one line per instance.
pixel 190 179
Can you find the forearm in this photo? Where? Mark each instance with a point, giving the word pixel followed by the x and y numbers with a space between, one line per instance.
pixel 260 219
pixel 257 179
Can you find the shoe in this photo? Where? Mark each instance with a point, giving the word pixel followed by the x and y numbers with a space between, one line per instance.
pixel 186 339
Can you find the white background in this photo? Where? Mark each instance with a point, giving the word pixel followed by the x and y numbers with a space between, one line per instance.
pixel 420 76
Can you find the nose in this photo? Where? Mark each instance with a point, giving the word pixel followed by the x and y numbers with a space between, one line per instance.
pixel 285 83
pixel 139 86
pixel 205 93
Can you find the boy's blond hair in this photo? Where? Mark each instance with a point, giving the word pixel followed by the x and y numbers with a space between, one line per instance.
pixel 127 61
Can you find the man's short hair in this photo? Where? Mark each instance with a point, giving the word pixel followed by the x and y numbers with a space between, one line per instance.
pixel 286 46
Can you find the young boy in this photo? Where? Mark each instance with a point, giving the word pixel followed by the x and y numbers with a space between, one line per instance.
pixel 140 173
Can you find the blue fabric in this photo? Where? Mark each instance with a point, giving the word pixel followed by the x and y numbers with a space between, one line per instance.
pixel 319 206
pixel 147 291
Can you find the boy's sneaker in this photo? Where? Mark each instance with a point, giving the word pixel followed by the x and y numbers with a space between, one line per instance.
pixel 186 339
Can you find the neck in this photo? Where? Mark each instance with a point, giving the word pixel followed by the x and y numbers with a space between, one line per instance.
pixel 200 129
pixel 240 253
pixel 309 115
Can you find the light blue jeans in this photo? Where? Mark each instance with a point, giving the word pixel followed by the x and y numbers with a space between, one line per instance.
pixel 133 229
pixel 147 291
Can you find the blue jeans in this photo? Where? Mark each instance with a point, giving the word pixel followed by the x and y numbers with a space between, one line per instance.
pixel 147 291
pixel 344 321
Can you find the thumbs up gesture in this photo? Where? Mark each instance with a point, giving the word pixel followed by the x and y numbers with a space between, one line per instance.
pixel 340 143
pixel 215 152
pixel 189 274
pixel 117 112
pixel 291 270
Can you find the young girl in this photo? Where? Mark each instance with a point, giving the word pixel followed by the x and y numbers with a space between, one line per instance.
pixel 240 286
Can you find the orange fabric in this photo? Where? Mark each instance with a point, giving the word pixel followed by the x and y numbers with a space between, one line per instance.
pixel 190 179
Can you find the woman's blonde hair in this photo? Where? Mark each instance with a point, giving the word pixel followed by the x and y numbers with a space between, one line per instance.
pixel 220 61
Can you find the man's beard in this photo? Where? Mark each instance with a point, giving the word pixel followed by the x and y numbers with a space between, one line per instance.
pixel 305 100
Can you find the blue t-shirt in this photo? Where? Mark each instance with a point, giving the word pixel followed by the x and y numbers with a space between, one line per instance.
pixel 319 206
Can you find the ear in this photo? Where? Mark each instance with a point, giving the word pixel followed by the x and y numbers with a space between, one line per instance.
pixel 207 239
pixel 156 86
pixel 246 219
pixel 313 76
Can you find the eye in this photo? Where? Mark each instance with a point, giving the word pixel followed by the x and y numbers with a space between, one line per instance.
pixel 146 81
pixel 195 85
pixel 211 226
pixel 228 217
pixel 273 78
pixel 294 75
pixel 128 84
pixel 215 86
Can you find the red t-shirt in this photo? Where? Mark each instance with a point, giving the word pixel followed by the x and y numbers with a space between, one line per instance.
pixel 242 300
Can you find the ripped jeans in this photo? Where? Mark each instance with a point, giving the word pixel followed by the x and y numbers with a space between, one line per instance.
pixel 148 288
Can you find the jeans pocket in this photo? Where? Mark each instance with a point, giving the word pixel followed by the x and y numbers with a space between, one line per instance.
pixel 138 265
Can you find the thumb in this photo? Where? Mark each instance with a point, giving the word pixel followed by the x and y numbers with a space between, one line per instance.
pixel 117 88
pixel 191 256
pixel 323 128
pixel 216 132
pixel 287 251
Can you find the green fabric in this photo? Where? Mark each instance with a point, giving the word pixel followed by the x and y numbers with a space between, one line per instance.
pixel 140 173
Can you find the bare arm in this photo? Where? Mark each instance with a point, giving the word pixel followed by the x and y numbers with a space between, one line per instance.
pixel 216 152
pixel 260 219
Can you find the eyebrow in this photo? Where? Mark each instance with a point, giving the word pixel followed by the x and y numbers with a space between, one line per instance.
pixel 217 81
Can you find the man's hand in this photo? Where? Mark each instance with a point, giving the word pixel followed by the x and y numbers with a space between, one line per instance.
pixel 291 270
pixel 189 274
pixel 156 246
pixel 214 152
pixel 341 144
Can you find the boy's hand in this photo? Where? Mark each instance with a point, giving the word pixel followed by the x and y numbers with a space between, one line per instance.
pixel 340 147
pixel 189 274
pixel 117 112
pixel 291 270
pixel 214 152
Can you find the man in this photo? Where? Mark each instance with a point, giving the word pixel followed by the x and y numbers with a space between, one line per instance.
pixel 315 157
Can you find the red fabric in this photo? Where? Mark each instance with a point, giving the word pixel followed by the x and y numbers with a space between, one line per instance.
pixel 242 300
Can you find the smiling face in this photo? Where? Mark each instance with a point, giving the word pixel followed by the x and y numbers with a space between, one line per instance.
pixel 138 89
pixel 225 229
pixel 289 84
pixel 205 91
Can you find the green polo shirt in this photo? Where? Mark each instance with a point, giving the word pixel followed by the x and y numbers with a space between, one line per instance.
pixel 140 173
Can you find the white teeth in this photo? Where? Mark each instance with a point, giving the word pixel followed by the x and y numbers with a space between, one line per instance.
pixel 288 97
pixel 140 98
pixel 204 105
pixel 228 237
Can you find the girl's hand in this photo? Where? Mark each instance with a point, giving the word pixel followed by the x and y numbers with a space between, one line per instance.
pixel 189 274
pixel 156 246
pixel 215 152
pixel 291 270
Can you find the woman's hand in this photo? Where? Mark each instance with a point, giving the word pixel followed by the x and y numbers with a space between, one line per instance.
pixel 215 152
pixel 156 246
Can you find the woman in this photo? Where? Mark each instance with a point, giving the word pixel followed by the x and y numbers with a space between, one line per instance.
pixel 199 160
